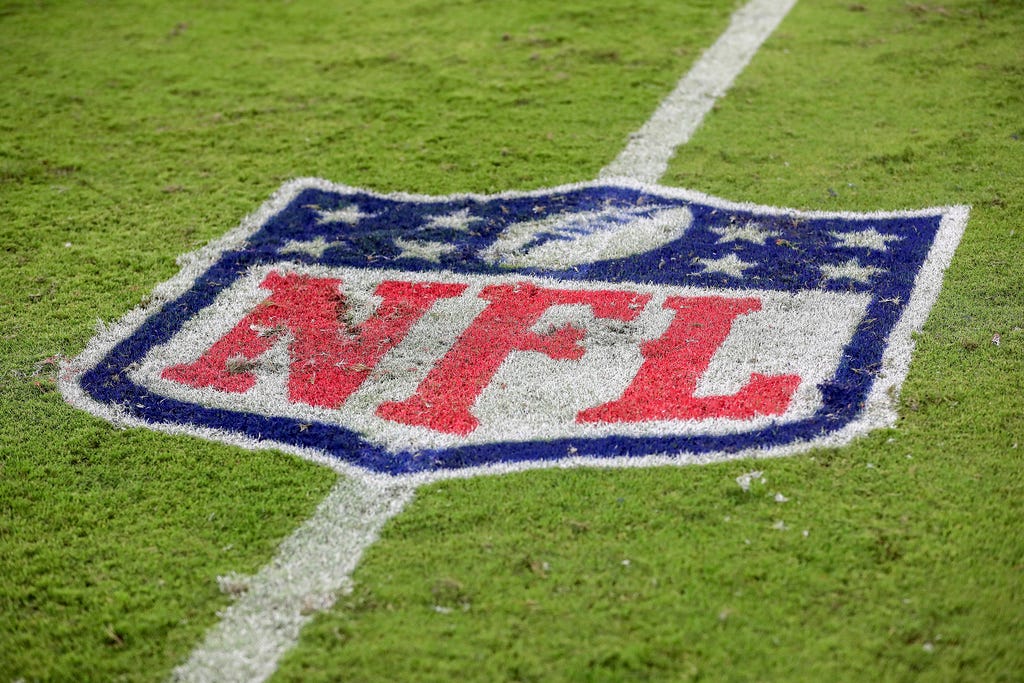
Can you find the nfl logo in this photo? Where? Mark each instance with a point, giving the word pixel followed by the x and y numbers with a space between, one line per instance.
pixel 600 323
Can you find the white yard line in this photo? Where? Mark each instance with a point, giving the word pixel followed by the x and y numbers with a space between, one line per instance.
pixel 314 563
pixel 311 567
pixel 680 114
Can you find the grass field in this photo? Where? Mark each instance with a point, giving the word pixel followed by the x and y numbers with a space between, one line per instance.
pixel 131 133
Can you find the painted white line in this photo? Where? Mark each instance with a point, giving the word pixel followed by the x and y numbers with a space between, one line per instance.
pixel 315 562
pixel 310 568
pixel 646 156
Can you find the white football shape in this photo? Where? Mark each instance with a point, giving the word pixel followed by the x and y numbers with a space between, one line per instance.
pixel 587 237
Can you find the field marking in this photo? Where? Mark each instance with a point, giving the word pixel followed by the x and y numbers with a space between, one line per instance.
pixel 313 564
pixel 680 114
pixel 310 568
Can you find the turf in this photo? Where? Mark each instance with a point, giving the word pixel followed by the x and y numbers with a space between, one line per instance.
pixel 130 134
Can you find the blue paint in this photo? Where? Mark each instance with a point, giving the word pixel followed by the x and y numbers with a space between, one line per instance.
pixel 788 262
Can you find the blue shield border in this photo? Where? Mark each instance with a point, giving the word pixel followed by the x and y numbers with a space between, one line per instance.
pixel 859 397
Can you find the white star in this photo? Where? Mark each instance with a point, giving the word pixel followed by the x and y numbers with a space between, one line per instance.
pixel 730 265
pixel 351 214
pixel 428 251
pixel 851 270
pixel 865 239
pixel 314 247
pixel 458 220
pixel 750 231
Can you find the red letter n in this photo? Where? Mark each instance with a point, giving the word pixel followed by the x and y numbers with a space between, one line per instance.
pixel 328 359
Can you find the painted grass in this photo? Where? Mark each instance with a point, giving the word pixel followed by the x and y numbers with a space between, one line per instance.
pixel 131 134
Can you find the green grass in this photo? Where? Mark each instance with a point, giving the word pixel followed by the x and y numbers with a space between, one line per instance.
pixel 130 134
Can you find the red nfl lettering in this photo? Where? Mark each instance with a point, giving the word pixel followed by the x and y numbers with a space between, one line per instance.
pixel 328 361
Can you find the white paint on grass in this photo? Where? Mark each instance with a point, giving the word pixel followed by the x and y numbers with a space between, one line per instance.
pixel 311 567
pixel 680 114
pixel 317 560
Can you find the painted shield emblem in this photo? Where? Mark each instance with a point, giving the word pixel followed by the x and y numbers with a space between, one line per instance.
pixel 600 323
